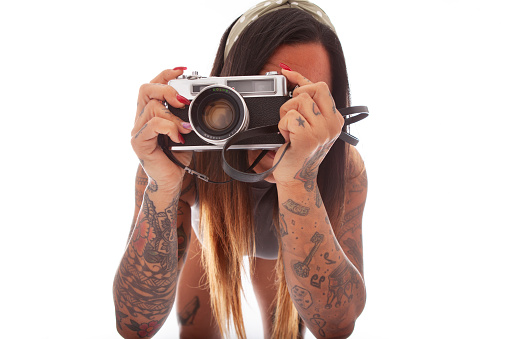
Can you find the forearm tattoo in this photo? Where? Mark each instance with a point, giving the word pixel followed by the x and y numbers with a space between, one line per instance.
pixel 146 280
pixel 325 288
pixel 324 283
pixel 296 208
pixel 309 171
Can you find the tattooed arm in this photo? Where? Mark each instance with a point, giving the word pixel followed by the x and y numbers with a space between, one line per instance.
pixel 146 280
pixel 324 272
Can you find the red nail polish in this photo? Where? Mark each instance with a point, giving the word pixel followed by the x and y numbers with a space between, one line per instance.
pixel 180 68
pixel 183 100
pixel 283 66
pixel 181 138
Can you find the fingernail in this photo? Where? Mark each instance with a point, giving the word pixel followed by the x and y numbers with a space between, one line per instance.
pixel 283 66
pixel 187 125
pixel 180 68
pixel 183 100
pixel 181 138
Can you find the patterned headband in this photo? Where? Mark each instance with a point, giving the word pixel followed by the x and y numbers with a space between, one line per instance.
pixel 270 6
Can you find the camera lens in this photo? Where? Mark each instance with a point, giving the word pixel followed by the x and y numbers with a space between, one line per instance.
pixel 218 115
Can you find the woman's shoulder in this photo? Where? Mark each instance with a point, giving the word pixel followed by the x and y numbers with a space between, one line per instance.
pixel 355 164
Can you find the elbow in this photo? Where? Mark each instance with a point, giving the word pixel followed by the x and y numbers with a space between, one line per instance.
pixel 346 332
pixel 346 326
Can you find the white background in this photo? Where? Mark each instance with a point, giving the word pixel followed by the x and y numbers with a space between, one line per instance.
pixel 434 75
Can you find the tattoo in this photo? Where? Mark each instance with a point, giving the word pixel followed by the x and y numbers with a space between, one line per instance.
pixel 309 170
pixel 147 278
pixel 186 317
pixel 301 122
pixel 333 103
pixel 120 317
pixel 341 282
pixel 315 282
pixel 318 198
pixel 351 221
pixel 302 297
pixel 355 253
pixel 152 187
pixel 363 179
pixel 143 110
pixel 141 177
pixel 138 198
pixel 316 320
pixel 316 111
pixel 360 184
pixel 181 241
pixel 296 208
pixel 302 268
pixel 283 227
pixel 327 260
pixel 145 330
pixel 141 130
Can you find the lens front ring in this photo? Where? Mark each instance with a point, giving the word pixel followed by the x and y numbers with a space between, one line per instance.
pixel 218 113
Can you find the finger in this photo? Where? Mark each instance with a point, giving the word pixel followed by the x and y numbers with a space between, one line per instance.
pixel 292 124
pixel 169 74
pixel 320 93
pixel 155 108
pixel 162 93
pixel 295 77
pixel 155 126
pixel 306 107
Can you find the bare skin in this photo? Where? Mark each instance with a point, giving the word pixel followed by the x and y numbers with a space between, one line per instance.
pixel 162 259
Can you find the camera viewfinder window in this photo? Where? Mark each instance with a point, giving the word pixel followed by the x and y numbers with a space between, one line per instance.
pixel 199 88
pixel 253 86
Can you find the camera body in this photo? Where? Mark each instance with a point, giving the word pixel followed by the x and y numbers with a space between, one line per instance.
pixel 221 107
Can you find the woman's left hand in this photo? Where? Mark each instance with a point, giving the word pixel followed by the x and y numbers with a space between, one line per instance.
pixel 311 123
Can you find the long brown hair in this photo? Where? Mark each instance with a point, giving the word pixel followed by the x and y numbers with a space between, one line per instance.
pixel 226 223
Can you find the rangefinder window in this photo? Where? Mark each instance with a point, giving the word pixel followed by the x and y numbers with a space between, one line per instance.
pixel 199 87
pixel 253 86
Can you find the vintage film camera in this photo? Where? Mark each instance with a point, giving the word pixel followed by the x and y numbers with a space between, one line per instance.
pixel 222 107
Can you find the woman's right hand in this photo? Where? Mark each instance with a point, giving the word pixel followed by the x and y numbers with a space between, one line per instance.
pixel 152 119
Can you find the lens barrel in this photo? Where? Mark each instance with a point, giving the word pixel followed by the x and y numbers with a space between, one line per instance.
pixel 217 113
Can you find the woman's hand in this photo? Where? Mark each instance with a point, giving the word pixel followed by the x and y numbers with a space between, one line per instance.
pixel 152 119
pixel 311 123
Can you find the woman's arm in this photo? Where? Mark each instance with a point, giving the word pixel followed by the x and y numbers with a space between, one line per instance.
pixel 145 283
pixel 322 271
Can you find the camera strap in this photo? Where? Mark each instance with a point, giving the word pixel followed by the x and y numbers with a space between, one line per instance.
pixel 350 114
pixel 251 133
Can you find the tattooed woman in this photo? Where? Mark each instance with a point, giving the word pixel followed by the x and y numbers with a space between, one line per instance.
pixel 300 228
